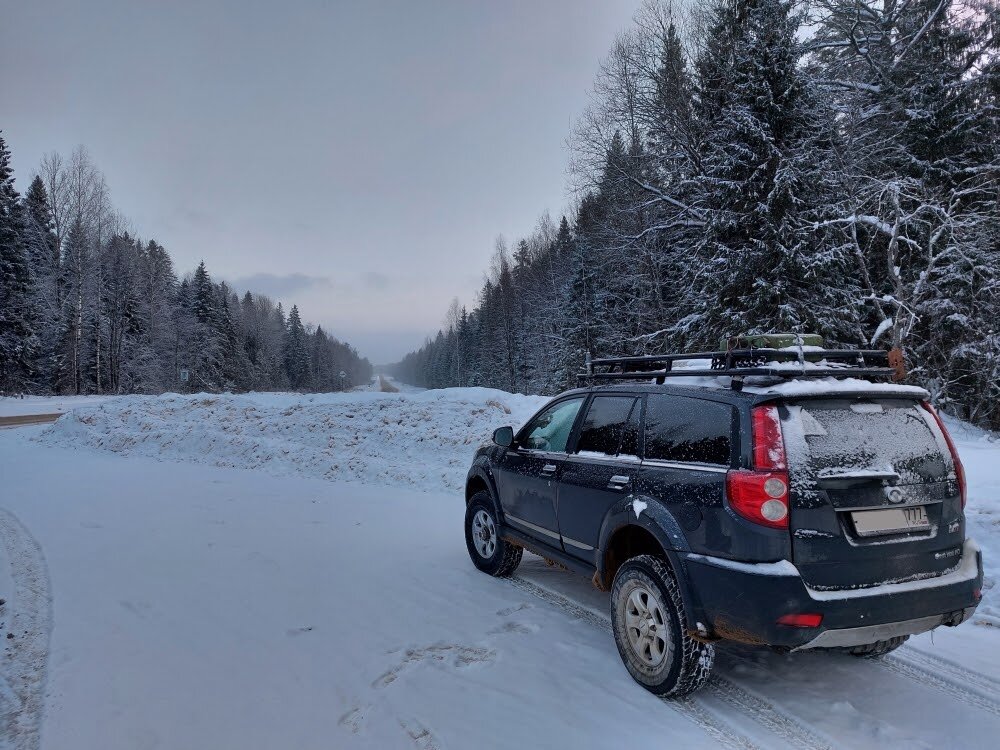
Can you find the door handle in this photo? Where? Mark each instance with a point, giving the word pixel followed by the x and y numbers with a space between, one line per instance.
pixel 548 468
pixel 618 482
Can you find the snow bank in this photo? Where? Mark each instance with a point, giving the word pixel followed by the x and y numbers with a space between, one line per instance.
pixel 424 440
pixel 980 453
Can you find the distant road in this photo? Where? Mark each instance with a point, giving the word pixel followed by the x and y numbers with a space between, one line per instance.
pixel 20 420
pixel 385 386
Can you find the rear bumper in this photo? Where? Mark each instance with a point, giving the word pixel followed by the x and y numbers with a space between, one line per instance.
pixel 743 601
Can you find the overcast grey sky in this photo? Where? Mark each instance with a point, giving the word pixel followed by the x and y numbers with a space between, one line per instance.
pixel 357 158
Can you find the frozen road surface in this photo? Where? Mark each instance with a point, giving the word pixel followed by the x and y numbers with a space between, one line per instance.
pixel 289 572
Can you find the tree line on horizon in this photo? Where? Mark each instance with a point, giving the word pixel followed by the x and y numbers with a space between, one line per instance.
pixel 752 166
pixel 87 307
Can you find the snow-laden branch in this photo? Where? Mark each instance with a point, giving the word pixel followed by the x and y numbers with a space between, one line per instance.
pixel 854 85
pixel 884 326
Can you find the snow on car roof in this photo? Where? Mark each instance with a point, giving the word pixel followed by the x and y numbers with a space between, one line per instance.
pixel 798 387
pixel 828 385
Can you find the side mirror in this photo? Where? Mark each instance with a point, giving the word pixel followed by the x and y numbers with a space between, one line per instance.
pixel 504 437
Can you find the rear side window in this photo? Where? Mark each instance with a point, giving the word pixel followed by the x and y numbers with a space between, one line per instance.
pixel 688 430
pixel 883 435
pixel 606 425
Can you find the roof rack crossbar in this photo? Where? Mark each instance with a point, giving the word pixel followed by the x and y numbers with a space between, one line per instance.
pixel 790 355
pixel 741 363
pixel 774 372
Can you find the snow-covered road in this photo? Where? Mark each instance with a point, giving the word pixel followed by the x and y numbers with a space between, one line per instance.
pixel 199 606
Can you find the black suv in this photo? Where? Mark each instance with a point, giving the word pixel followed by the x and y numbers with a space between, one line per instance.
pixel 821 514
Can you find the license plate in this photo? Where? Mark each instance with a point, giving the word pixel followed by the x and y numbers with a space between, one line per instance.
pixel 890 520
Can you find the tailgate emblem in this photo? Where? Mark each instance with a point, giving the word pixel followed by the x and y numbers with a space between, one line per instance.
pixel 895 495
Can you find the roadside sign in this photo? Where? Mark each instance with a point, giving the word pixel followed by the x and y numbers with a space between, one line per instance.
pixel 185 374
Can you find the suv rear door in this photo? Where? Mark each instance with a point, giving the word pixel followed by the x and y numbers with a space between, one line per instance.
pixel 873 493
pixel 600 470
pixel 688 448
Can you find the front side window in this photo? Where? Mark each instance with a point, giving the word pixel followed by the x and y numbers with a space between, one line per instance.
pixel 550 430
pixel 606 425
pixel 688 430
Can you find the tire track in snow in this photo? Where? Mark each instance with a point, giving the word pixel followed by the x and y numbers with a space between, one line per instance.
pixel 750 705
pixel 952 683
pixel 765 713
pixel 28 616
pixel 941 666
pixel 724 735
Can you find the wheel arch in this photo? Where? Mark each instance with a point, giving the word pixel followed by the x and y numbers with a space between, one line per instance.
pixel 479 480
pixel 653 531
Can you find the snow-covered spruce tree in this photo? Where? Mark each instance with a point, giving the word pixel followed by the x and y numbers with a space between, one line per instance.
pixel 18 343
pixel 42 249
pixel 204 347
pixel 582 331
pixel 561 267
pixel 252 335
pixel 951 132
pixel 72 281
pixel 296 351
pixel 122 323
pixel 321 362
pixel 276 329
pixel 235 365
pixel 760 267
pixel 158 294
pixel 915 87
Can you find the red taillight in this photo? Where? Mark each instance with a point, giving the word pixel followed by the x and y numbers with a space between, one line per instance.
pixel 959 469
pixel 800 620
pixel 759 496
pixel 768 446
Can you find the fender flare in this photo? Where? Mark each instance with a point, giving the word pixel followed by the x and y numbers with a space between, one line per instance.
pixel 662 525
pixel 481 470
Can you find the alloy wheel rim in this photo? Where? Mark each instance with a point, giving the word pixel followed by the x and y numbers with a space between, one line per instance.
pixel 646 627
pixel 484 534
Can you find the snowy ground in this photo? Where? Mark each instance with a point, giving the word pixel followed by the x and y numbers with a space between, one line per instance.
pixel 284 571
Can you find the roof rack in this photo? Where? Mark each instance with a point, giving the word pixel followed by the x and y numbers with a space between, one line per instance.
pixel 748 362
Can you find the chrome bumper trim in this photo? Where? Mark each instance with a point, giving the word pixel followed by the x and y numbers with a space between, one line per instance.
pixel 845 637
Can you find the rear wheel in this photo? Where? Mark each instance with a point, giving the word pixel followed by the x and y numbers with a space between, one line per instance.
pixel 650 628
pixel 489 552
pixel 879 648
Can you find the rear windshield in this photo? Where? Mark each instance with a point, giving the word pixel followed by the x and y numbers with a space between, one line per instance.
pixel 879 436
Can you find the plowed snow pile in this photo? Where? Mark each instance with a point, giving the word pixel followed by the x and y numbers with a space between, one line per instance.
pixel 423 439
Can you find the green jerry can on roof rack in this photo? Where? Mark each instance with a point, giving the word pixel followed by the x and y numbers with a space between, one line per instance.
pixel 770 341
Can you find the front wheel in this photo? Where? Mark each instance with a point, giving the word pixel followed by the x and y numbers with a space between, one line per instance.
pixel 489 552
pixel 650 628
